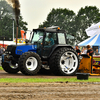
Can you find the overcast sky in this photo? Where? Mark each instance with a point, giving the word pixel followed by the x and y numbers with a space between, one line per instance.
pixel 35 12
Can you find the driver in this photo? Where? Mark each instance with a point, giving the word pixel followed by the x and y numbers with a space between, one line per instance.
pixel 51 40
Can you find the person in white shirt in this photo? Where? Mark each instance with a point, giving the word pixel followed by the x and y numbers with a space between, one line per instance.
pixel 84 50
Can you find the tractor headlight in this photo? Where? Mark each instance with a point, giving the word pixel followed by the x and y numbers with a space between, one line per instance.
pixel 7 52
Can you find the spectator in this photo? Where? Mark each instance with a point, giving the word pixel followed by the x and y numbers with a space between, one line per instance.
pixel 96 52
pixel 5 48
pixel 84 50
pixel 89 50
pixel 1 50
pixel 78 50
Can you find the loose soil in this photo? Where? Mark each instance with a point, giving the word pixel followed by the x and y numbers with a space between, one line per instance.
pixel 47 91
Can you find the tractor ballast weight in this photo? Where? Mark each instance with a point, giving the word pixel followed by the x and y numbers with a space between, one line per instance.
pixel 46 46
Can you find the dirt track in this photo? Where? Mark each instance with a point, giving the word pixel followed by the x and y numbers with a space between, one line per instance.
pixel 47 91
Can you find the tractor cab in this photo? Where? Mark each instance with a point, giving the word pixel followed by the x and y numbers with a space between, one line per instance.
pixel 46 39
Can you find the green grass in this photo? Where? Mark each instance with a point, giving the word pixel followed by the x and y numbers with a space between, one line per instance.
pixel 1 68
pixel 38 80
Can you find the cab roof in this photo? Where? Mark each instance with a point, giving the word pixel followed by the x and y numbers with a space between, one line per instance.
pixel 50 29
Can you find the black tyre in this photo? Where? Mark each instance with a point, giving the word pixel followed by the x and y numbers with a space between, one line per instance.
pixel 13 69
pixel 64 61
pixel 29 63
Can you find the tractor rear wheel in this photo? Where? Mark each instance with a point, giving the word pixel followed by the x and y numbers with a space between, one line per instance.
pixel 10 68
pixel 29 63
pixel 64 61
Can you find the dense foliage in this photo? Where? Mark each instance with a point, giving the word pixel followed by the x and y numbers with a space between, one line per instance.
pixel 74 24
pixel 7 18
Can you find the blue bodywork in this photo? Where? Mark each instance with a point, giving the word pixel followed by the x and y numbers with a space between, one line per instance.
pixel 25 48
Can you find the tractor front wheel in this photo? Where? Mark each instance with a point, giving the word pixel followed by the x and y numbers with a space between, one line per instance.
pixel 29 63
pixel 10 68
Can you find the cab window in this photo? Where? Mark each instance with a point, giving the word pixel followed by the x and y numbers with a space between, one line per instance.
pixel 61 38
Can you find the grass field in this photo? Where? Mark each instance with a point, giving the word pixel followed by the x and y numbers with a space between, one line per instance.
pixel 38 80
pixel 1 68
pixel 19 80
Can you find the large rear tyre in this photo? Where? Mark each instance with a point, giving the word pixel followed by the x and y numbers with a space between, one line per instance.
pixel 10 68
pixel 64 61
pixel 29 63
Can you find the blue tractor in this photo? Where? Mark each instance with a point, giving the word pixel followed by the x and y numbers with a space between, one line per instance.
pixel 46 46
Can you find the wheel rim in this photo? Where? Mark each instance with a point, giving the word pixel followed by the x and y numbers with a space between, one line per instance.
pixel 68 62
pixel 31 63
pixel 13 66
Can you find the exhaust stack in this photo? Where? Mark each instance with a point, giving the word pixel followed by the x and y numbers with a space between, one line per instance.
pixel 16 7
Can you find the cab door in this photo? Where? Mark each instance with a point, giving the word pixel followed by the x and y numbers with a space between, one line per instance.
pixel 49 41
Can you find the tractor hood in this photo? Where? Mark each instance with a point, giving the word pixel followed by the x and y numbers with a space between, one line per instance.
pixel 25 48
pixel 19 49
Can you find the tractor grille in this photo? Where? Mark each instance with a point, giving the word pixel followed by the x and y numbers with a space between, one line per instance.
pixel 11 50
